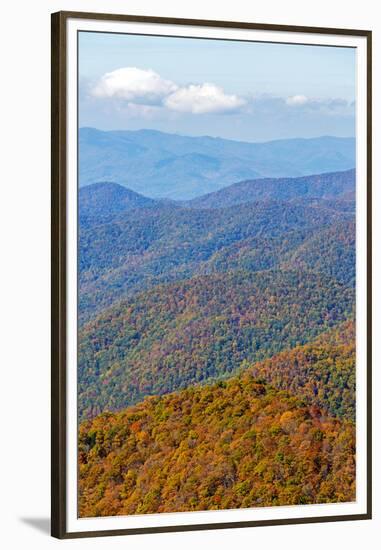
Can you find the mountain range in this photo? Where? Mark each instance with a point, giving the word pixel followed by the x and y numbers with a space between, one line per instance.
pixel 178 293
pixel 129 243
pixel 216 337
pixel 161 165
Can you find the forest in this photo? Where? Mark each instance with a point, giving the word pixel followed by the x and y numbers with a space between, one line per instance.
pixel 234 444
pixel 133 250
pixel 205 327
pixel 216 346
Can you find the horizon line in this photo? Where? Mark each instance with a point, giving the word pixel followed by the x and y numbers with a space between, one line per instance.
pixel 323 136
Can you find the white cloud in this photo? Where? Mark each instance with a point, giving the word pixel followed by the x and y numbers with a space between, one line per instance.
pixel 297 100
pixel 202 98
pixel 134 85
pixel 144 93
pixel 146 87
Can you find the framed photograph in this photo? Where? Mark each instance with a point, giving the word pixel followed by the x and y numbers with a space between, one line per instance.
pixel 211 274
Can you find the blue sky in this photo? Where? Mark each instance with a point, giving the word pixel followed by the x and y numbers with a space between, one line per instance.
pixel 239 90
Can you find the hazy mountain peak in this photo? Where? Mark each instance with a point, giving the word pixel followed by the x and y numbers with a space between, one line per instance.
pixel 103 198
pixel 157 164
pixel 330 185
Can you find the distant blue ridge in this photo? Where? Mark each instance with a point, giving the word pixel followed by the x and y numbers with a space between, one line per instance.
pixel 161 165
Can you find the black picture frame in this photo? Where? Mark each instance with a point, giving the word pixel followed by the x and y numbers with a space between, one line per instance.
pixel 59 273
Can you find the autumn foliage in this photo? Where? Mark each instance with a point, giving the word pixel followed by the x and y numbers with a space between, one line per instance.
pixel 233 444
pixel 216 349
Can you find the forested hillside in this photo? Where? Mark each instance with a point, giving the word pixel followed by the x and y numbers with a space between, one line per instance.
pixel 234 444
pixel 184 333
pixel 141 247
pixel 321 186
pixel 322 372
pixel 330 251
pixel 99 201
pixel 216 343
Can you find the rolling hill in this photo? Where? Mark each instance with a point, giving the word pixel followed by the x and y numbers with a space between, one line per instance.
pixel 99 201
pixel 161 165
pixel 173 295
pixel 184 333
pixel 331 251
pixel 322 186
pixel 321 372
pixel 234 444
pixel 137 249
